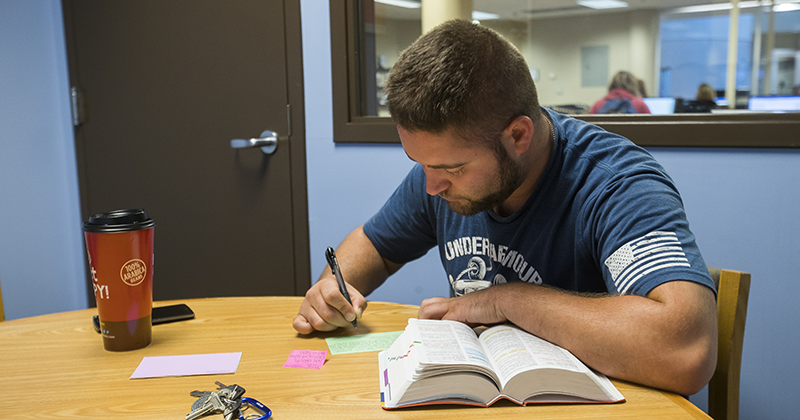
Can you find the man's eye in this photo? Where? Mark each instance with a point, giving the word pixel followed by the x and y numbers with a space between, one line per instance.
pixel 455 171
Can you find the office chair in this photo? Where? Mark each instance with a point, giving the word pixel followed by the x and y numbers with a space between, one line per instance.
pixel 733 289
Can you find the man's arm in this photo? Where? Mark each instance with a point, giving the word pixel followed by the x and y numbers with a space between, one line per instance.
pixel 324 308
pixel 667 339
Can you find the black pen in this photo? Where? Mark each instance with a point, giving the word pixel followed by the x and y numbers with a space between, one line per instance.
pixel 330 255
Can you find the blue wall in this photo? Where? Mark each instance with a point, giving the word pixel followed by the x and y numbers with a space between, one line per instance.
pixel 744 207
pixel 41 254
pixel 742 204
pixel 347 184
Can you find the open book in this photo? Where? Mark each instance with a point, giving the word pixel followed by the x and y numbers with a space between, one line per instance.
pixel 447 362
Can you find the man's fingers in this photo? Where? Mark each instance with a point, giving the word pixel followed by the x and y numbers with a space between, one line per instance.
pixel 316 314
pixel 336 300
pixel 325 308
pixel 433 308
pixel 474 308
pixel 309 320
pixel 327 315
pixel 359 302
pixel 301 325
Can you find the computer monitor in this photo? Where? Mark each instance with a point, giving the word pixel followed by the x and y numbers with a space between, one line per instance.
pixel 660 106
pixel 774 103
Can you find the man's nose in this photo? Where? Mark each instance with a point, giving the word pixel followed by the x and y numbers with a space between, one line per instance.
pixel 434 182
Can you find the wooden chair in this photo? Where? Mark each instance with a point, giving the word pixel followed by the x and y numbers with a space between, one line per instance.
pixel 733 289
pixel 2 313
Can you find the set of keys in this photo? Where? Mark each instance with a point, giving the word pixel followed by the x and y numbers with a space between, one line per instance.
pixel 228 400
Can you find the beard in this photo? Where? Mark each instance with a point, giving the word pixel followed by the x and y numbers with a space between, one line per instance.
pixel 508 178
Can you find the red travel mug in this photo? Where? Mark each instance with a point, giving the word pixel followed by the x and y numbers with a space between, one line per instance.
pixel 120 249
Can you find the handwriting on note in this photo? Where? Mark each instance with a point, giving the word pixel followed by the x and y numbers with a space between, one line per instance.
pixel 362 343
pixel 306 359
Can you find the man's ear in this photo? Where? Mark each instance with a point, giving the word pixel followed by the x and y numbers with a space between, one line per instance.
pixel 520 131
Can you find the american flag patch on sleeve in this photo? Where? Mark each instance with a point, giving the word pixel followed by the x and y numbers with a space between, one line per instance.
pixel 644 255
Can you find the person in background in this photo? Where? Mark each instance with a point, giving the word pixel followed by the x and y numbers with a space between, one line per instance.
pixel 705 98
pixel 704 102
pixel 624 97
pixel 706 94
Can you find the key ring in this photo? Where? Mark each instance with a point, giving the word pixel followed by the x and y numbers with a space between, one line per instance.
pixel 250 402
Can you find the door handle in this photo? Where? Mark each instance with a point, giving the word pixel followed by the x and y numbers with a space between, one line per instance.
pixel 268 142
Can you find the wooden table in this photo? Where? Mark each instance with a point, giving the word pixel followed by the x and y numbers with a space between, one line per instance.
pixel 54 366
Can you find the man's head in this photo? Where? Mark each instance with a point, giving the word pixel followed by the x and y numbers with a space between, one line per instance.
pixel 705 93
pixel 469 176
pixel 463 77
pixel 625 81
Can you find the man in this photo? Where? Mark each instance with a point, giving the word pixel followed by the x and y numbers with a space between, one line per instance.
pixel 568 231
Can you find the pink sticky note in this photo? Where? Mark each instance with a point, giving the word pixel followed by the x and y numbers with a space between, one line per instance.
pixel 306 359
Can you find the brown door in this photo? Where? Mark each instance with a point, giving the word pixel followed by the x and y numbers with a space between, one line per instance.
pixel 164 86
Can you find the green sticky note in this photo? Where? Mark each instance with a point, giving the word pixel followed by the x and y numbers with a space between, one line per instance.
pixel 362 343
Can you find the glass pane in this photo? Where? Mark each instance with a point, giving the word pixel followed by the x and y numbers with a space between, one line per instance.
pixel 778 65
pixel 671 46
pixel 393 29
pixel 688 37
pixel 694 53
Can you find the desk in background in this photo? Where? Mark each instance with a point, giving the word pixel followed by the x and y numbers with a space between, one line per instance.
pixel 54 367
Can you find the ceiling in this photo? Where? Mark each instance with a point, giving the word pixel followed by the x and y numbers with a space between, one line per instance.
pixel 532 9
pixel 522 9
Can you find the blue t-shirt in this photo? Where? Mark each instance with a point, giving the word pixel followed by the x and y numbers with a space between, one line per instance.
pixel 604 217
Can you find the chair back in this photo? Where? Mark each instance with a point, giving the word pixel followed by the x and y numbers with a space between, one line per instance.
pixel 733 290
pixel 2 313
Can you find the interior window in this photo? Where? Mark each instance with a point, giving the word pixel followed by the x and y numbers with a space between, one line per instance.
pixel 574 49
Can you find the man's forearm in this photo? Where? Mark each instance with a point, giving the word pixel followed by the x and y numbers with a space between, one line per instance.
pixel 361 264
pixel 666 340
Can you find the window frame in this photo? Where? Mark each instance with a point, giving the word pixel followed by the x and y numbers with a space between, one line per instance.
pixel 731 130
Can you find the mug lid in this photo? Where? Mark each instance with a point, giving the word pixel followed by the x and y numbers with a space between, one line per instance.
pixel 119 221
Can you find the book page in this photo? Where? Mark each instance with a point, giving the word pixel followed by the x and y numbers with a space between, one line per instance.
pixel 397 368
pixel 448 342
pixel 421 364
pixel 512 350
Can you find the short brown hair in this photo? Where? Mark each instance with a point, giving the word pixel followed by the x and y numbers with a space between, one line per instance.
pixel 463 76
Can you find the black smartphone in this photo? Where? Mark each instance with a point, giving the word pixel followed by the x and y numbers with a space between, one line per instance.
pixel 161 315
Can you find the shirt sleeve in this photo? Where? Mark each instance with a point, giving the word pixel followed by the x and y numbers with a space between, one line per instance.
pixel 640 235
pixel 404 229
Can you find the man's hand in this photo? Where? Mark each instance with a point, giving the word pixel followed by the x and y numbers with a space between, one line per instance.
pixel 476 308
pixel 325 309
pixel 363 269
